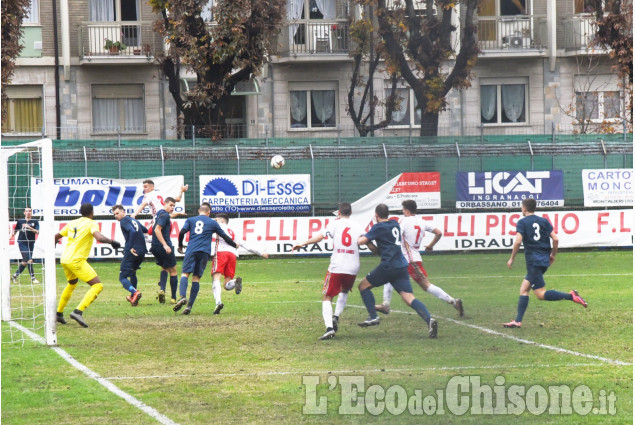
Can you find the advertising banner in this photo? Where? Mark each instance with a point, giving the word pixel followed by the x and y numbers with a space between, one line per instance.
pixel 507 189
pixel 257 193
pixel 608 187
pixel 468 231
pixel 423 188
pixel 103 193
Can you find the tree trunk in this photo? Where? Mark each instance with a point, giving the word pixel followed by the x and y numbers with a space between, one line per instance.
pixel 429 123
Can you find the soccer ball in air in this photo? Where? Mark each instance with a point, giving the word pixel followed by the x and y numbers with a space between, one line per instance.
pixel 277 161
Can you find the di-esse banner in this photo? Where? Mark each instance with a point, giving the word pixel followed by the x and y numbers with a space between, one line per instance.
pixel 103 193
pixel 480 231
pixel 257 193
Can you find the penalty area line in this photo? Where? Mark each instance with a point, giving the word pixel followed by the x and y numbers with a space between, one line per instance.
pixel 102 381
pixel 357 371
pixel 521 340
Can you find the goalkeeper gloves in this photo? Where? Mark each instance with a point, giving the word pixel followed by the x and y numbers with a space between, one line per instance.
pixel 115 244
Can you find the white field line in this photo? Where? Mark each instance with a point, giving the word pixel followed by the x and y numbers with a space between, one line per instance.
pixel 438 277
pixel 358 371
pixel 103 381
pixel 521 340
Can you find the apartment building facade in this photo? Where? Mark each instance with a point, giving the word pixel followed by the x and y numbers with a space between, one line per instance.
pixel 536 74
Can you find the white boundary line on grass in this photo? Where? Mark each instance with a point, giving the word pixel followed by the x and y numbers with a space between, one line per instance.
pixel 522 340
pixel 351 371
pixel 436 277
pixel 103 381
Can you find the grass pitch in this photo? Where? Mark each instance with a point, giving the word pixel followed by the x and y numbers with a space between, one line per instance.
pixel 246 365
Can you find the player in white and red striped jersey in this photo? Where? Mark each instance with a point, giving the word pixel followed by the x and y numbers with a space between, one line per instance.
pixel 224 263
pixel 154 199
pixel 343 267
pixel 413 230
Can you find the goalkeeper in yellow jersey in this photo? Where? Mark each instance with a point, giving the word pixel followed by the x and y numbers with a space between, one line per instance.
pixel 80 234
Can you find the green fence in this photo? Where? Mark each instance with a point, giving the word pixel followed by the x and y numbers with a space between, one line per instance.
pixel 343 169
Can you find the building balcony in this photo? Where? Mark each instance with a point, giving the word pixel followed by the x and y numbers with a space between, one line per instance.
pixel 308 39
pixel 522 34
pixel 140 41
pixel 579 34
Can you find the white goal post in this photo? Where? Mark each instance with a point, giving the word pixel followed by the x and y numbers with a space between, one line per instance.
pixel 28 305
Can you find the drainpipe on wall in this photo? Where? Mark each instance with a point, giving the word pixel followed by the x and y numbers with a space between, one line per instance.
pixel 58 123
pixel 273 117
pixel 66 41
pixel 551 33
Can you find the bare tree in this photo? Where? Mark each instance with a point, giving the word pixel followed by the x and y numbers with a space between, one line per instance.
pixel 418 38
pixel 366 51
pixel 594 105
pixel 228 47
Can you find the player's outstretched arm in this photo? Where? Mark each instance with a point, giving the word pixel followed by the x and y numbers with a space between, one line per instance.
pixel 183 190
pixel 139 209
pixel 103 239
pixel 314 239
pixel 254 250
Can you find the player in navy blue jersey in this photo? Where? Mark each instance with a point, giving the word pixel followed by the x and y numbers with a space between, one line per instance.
pixel 393 268
pixel 163 250
pixel 534 233
pixel 133 254
pixel 26 228
pixel 201 228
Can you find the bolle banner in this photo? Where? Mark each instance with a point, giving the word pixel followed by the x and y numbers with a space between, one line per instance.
pixel 507 189
pixel 103 193
pixel 256 193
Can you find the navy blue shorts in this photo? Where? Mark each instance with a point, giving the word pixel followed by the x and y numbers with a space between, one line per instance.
pixel 534 276
pixel 130 263
pixel 398 278
pixel 195 263
pixel 162 258
pixel 26 249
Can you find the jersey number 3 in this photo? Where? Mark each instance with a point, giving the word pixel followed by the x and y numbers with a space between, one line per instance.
pixel 537 230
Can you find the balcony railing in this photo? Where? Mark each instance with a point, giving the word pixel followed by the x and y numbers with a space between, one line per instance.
pixel 579 32
pixel 512 33
pixel 138 37
pixel 311 37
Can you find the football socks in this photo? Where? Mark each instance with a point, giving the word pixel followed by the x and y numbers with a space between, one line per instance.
pixel 440 294
pixel 557 296
pixel 90 296
pixel 66 296
pixel 369 302
pixel 523 302
pixel 341 303
pixel 421 310
pixel 327 313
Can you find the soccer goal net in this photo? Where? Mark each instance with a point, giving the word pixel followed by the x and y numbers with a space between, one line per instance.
pixel 27 263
